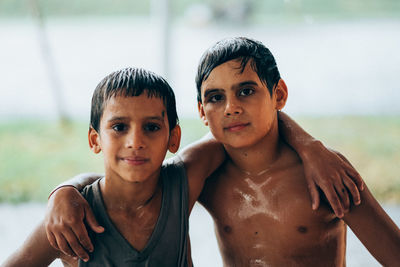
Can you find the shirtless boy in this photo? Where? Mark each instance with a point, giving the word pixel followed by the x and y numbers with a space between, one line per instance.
pixel 258 198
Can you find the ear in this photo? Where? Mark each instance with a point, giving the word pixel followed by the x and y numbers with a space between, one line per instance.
pixel 281 94
pixel 94 140
pixel 200 107
pixel 174 139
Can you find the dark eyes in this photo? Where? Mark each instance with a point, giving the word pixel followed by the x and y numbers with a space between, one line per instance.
pixel 246 92
pixel 215 98
pixel 242 92
pixel 148 127
pixel 151 127
pixel 119 127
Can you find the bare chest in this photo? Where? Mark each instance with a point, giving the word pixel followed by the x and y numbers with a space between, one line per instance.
pixel 270 219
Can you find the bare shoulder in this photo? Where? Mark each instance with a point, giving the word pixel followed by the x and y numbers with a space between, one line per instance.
pixel 282 187
pixel 201 159
pixel 274 212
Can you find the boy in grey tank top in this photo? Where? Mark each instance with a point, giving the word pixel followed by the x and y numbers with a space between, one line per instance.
pixel 167 245
pixel 142 203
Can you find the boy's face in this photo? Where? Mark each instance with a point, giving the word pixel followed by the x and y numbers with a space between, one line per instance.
pixel 134 137
pixel 237 106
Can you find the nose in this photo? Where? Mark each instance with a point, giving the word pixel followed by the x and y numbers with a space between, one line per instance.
pixel 233 108
pixel 135 139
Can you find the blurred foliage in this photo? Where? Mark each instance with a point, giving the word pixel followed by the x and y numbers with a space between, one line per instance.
pixel 241 10
pixel 35 155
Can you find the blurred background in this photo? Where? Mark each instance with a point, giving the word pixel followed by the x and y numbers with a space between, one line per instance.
pixel 339 58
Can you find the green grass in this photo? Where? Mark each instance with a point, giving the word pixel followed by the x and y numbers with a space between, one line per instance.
pixel 37 155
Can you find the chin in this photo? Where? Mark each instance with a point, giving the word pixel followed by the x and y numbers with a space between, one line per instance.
pixel 239 143
pixel 135 181
pixel 133 178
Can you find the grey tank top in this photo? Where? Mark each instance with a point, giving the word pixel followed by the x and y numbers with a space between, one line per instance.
pixel 168 243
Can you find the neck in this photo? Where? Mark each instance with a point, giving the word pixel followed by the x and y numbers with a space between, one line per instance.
pixel 125 196
pixel 257 158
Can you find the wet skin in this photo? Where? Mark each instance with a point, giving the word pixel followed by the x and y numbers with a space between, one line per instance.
pixel 259 198
pixel 266 220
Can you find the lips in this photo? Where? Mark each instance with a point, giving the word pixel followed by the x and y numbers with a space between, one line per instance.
pixel 135 161
pixel 235 127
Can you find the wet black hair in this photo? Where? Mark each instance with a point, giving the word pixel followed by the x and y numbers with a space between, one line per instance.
pixel 130 82
pixel 245 49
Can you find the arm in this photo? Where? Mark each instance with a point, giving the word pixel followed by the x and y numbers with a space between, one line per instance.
pixel 375 229
pixel 201 159
pixel 36 251
pixel 322 168
pixel 67 209
pixel 79 181
pixel 66 213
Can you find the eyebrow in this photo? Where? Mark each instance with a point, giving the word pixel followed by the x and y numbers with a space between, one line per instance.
pixel 158 118
pixel 210 91
pixel 250 82
pixel 117 119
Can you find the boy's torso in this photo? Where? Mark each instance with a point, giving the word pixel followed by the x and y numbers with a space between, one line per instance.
pixel 267 220
pixel 167 239
pixel 138 227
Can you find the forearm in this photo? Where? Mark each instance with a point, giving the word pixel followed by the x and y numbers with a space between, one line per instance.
pixel 66 212
pixel 81 180
pixel 201 159
pixel 204 155
pixel 323 168
pixel 294 135
pixel 213 150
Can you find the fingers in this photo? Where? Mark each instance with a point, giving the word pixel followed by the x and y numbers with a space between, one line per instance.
pixel 356 177
pixel 333 200
pixel 63 246
pixel 352 188
pixel 352 172
pixel 74 245
pixel 312 188
pixel 52 240
pixel 92 222
pixel 343 194
pixel 81 235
